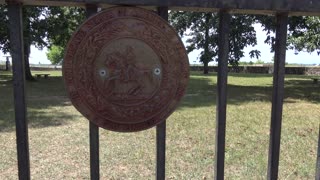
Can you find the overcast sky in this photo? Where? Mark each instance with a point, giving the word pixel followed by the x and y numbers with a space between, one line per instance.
pixel 38 56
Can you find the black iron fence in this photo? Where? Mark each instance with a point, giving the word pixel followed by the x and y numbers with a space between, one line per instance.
pixel 281 9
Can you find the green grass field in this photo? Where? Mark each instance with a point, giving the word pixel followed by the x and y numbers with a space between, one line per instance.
pixel 59 143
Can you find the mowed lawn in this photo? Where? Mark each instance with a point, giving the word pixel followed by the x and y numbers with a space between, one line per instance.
pixel 59 142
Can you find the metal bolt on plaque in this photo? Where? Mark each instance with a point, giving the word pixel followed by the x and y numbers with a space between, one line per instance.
pixel 125 69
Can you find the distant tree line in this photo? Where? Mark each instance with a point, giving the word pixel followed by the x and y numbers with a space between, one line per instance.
pixel 201 32
pixel 52 27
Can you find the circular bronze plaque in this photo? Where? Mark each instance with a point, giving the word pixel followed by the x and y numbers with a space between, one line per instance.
pixel 126 69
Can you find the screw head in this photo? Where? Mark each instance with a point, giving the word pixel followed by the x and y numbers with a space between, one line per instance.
pixel 157 71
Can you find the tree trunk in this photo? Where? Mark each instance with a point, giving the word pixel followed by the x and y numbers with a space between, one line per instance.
pixel 7 64
pixel 205 68
pixel 26 46
pixel 206 58
pixel 27 69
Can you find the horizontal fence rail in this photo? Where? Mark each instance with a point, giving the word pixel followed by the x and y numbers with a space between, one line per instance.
pixel 295 7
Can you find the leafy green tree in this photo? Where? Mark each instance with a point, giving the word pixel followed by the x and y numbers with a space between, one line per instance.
pixel 62 22
pixel 34 30
pixel 306 36
pixel 201 31
pixel 42 27
pixel 55 54
pixel 303 32
pixel 4 31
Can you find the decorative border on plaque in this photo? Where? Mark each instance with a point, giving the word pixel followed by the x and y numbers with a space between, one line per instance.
pixel 126 69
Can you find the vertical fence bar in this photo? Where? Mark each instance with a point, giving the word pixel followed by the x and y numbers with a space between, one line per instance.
pixel 161 128
pixel 94 151
pixel 223 44
pixel 161 151
pixel 277 96
pixel 93 129
pixel 318 159
pixel 16 43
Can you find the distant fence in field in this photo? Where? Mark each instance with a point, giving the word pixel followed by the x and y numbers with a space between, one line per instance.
pixel 263 69
pixel 44 67
pixel 240 69
pixel 38 67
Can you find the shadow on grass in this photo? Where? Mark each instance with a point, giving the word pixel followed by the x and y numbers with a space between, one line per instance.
pixel 38 116
pixel 202 92
pixel 302 89
pixel 5 80
pixel 47 97
pixel 206 96
pixel 46 102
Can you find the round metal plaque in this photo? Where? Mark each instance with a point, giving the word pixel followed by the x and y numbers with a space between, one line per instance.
pixel 126 69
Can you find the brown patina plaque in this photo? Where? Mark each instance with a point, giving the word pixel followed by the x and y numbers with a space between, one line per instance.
pixel 125 69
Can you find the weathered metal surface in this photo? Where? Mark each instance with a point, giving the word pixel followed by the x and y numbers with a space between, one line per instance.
pixel 221 110
pixel 93 129
pixel 16 39
pixel 126 69
pixel 318 159
pixel 242 6
pixel 94 151
pixel 277 95
pixel 161 151
pixel 161 128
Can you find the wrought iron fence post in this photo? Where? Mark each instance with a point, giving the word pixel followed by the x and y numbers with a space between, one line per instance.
pixel 17 53
pixel 318 159
pixel 161 151
pixel 277 96
pixel 161 128
pixel 224 29
pixel 93 129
